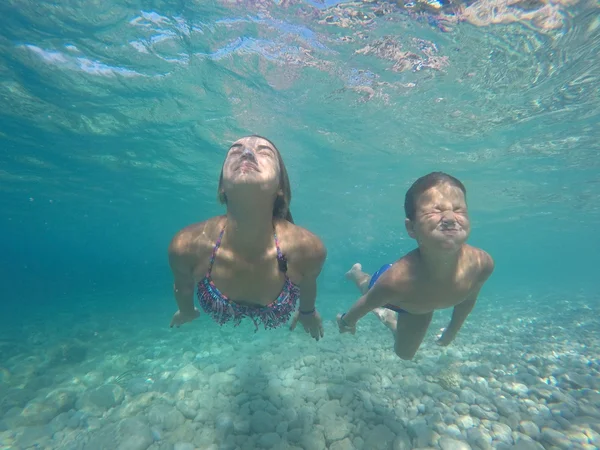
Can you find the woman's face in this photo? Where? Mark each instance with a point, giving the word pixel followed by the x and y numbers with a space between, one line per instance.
pixel 252 163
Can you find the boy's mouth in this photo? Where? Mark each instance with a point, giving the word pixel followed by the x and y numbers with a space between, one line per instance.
pixel 452 230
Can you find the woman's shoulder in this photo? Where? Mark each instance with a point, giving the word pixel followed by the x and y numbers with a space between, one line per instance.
pixel 300 244
pixel 197 238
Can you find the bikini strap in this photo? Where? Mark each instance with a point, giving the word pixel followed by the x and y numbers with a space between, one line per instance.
pixel 281 259
pixel 214 252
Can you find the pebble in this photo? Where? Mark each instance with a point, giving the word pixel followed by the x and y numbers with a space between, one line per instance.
pixel 262 422
pixel 502 433
pixel 507 407
pixel 379 438
pixel 462 408
pixel 269 440
pixel 336 429
pixel 223 425
pixel 188 373
pixel 593 436
pixel 335 391
pixel 402 441
pixel 465 422
pixel 480 413
pixel 589 410
pixel 421 433
pixel 555 438
pixel 366 399
pixel 358 442
pixel 101 399
pixel 483 370
pixel 447 443
pixel 61 421
pixel 344 444
pixel 93 379
pixel 480 438
pixel 77 419
pixel 527 445
pixel 183 446
pixel 514 388
pixel 128 434
pixel 347 398
pixel 165 417
pixel 453 431
pixel 468 396
pixel 313 440
pixel 36 437
pixel 530 429
pixel 188 408
pixel 34 413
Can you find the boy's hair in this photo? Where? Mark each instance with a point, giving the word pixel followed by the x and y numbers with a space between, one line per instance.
pixel 426 182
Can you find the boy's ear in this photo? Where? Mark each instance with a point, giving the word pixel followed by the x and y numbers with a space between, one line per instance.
pixel 410 227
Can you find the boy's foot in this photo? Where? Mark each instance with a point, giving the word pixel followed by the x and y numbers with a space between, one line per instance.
pixel 355 272
pixel 387 317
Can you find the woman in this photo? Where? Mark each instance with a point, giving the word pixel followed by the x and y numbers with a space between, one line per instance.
pixel 252 262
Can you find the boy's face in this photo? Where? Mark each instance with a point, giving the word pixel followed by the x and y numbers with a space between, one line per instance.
pixel 441 219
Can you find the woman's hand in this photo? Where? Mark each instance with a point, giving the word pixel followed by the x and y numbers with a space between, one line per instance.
pixel 445 339
pixel 179 318
pixel 312 323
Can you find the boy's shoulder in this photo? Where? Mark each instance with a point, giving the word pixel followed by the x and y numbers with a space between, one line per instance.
pixel 402 273
pixel 481 262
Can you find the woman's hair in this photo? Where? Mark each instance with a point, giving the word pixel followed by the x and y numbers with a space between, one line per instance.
pixel 281 207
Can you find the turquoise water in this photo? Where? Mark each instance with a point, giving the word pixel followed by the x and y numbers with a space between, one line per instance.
pixel 114 122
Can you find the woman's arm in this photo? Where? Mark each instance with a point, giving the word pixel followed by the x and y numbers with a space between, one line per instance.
pixel 311 255
pixel 314 260
pixel 183 277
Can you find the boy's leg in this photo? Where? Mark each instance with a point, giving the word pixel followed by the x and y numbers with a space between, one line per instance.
pixel 360 278
pixel 387 317
pixel 410 332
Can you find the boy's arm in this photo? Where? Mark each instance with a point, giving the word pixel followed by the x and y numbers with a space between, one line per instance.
pixel 463 309
pixel 379 295
pixel 459 314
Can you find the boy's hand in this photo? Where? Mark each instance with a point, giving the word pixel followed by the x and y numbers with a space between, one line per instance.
pixel 344 328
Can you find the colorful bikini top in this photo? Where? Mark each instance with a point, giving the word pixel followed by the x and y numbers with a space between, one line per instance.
pixel 223 310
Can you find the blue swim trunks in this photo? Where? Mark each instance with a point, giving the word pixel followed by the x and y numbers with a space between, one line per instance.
pixel 377 274
pixel 374 278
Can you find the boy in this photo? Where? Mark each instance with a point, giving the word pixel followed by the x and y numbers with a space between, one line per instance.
pixel 443 271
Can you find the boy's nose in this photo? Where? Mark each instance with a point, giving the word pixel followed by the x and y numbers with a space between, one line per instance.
pixel 448 218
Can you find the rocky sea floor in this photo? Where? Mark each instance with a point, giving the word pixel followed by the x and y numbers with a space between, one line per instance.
pixel 524 377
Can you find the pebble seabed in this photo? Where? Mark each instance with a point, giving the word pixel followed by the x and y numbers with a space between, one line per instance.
pixel 525 378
